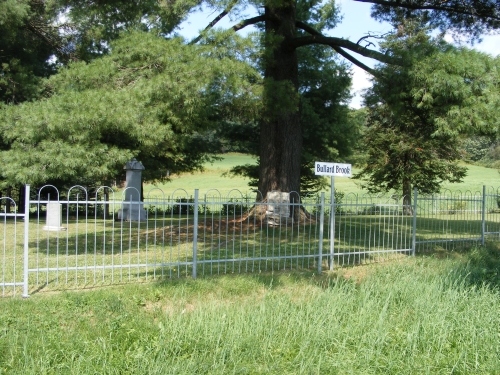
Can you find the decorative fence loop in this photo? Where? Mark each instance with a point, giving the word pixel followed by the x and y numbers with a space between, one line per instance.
pixel 183 235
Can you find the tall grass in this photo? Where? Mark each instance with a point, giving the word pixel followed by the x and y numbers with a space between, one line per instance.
pixel 425 315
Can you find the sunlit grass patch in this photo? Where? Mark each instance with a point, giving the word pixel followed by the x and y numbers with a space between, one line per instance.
pixel 420 315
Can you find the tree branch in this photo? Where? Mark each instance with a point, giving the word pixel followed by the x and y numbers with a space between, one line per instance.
pixel 237 27
pixel 308 29
pixel 214 21
pixel 343 43
pixel 340 51
pixel 378 36
pixel 437 5
pixel 248 22
pixel 39 30
pixel 356 62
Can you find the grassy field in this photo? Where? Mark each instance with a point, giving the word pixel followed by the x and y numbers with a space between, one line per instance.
pixel 212 178
pixel 429 314
pixel 423 315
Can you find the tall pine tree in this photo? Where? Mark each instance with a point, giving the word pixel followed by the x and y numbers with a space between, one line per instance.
pixel 287 26
pixel 417 112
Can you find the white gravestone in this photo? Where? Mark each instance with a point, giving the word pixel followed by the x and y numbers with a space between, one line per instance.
pixel 53 219
pixel 278 207
pixel 132 209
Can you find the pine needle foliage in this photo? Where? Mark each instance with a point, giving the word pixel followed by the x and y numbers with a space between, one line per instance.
pixel 417 112
pixel 154 99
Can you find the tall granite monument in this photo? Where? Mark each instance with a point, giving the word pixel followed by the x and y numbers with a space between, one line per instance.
pixel 132 209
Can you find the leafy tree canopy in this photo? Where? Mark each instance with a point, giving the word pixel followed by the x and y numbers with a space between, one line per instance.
pixel 417 112
pixel 288 29
pixel 37 36
pixel 85 30
pixel 328 134
pixel 155 99
pixel 90 25
pixel 460 17
pixel 24 57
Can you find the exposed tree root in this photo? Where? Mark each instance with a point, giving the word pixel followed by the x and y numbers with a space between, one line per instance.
pixel 259 213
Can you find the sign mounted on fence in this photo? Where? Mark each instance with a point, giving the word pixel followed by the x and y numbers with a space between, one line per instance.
pixel 332 169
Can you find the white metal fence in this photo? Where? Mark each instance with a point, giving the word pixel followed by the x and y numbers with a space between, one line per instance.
pixel 81 243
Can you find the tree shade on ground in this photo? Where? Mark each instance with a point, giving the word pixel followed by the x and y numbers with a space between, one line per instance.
pixel 286 27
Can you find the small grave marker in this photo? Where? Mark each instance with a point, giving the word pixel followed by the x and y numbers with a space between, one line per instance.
pixel 133 208
pixel 54 217
pixel 278 207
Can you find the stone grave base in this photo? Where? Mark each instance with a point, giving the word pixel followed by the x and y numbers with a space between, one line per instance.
pixel 132 212
pixel 53 219
pixel 278 208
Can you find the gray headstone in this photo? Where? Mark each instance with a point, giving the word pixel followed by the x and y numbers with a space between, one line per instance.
pixel 54 217
pixel 278 207
pixel 132 209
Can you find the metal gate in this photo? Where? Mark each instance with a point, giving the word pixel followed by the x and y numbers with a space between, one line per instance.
pixel 14 248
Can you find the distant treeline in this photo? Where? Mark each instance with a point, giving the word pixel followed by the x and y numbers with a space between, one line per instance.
pixel 482 150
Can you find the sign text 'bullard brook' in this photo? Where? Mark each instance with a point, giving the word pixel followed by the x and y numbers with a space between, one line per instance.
pixel 332 169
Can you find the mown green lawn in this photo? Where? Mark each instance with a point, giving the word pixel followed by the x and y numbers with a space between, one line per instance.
pixel 212 178
pixel 423 315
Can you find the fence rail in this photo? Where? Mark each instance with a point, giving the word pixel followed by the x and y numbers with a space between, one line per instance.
pixel 76 240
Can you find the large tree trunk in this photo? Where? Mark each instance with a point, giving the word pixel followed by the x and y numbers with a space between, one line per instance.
pixel 280 130
pixel 407 192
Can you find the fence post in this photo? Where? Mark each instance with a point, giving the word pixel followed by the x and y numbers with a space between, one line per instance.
pixel 321 222
pixel 195 232
pixel 26 240
pixel 332 223
pixel 414 232
pixel 483 216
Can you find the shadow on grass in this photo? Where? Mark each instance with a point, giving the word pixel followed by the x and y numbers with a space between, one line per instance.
pixel 226 248
pixel 483 266
pixel 478 265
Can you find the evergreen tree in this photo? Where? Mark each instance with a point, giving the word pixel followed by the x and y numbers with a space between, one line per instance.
pixel 287 26
pixel 417 113
pixel 91 25
pixel 24 56
pixel 154 99
pixel 281 131
pixel 327 132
